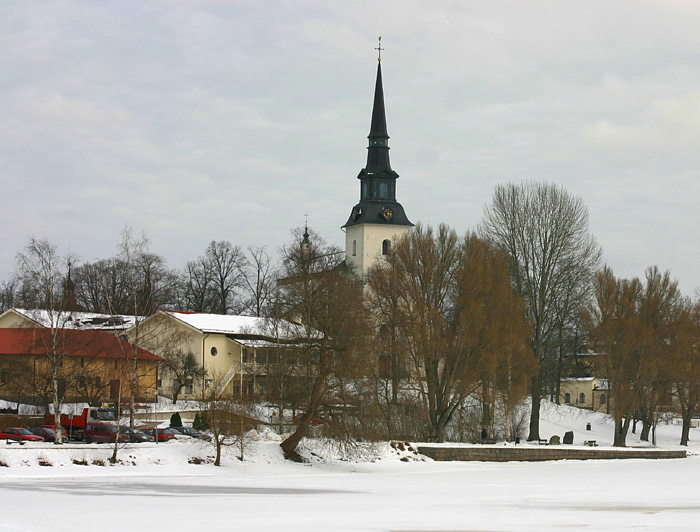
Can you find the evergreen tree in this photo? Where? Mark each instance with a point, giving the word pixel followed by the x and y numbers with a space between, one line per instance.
pixel 176 420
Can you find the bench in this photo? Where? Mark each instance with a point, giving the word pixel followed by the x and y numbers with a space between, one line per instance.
pixel 489 441
pixel 590 443
pixel 542 442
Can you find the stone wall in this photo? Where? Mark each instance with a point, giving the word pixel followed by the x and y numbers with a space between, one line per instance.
pixel 537 454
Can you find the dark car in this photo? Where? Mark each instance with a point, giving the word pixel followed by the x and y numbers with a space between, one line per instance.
pixel 103 433
pixel 19 434
pixel 47 433
pixel 192 433
pixel 137 435
pixel 161 434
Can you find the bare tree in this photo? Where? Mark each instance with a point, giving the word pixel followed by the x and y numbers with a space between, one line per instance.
pixel 102 287
pixel 544 231
pixel 227 419
pixel 198 278
pixel 636 328
pixel 258 282
pixel 184 368
pixel 150 285
pixel 326 303
pixel 213 280
pixel 451 306
pixel 42 270
pixel 686 366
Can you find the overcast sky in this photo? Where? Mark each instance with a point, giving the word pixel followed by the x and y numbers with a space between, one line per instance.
pixel 198 121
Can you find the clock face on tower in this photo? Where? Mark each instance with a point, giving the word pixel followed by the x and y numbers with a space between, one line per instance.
pixel 387 213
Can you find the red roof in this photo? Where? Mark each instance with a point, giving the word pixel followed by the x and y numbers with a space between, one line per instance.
pixel 73 343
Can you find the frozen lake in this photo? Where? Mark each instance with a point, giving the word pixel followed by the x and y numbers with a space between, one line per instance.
pixel 388 495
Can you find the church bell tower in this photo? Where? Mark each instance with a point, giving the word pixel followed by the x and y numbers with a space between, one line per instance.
pixel 378 218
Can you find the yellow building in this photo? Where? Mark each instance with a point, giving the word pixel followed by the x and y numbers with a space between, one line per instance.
pixel 95 366
pixel 230 351
pixel 586 392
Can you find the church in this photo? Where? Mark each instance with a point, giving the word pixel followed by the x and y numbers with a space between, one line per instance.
pixel 378 218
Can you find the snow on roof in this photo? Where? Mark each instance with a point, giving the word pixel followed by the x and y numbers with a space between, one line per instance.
pixel 77 320
pixel 221 323
pixel 240 325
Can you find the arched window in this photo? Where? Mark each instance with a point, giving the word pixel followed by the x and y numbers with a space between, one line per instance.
pixel 582 398
pixel 567 398
pixel 354 248
pixel 386 247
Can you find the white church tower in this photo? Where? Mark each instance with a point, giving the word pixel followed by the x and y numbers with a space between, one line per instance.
pixel 378 217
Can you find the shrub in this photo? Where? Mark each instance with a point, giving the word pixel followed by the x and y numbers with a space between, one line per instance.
pixel 176 420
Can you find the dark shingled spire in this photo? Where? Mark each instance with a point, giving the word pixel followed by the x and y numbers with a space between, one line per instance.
pixel 378 149
pixel 378 203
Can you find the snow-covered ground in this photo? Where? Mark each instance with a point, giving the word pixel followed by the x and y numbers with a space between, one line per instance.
pixel 157 488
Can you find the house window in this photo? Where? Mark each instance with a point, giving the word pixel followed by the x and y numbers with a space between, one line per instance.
pixel 354 248
pixel 567 398
pixel 188 385
pixel 582 398
pixel 603 398
pixel 386 247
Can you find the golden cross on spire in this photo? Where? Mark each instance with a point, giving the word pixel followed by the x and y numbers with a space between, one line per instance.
pixel 379 48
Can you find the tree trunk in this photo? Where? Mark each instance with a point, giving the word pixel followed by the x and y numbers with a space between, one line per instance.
pixel 646 429
pixel 217 461
pixel 536 396
pixel 687 415
pixel 56 403
pixel 289 446
pixel 621 427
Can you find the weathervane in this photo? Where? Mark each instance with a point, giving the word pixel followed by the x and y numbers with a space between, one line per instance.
pixel 379 48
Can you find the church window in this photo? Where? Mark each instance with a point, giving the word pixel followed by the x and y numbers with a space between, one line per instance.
pixel 567 398
pixel 364 189
pixel 383 190
pixel 582 398
pixel 386 247
pixel 354 248
pixel 603 398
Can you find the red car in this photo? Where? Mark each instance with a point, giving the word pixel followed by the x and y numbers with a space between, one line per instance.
pixel 161 434
pixel 19 434
pixel 48 432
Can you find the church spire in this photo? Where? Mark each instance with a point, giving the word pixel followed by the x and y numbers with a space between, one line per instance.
pixel 378 149
pixel 378 203
pixel 378 219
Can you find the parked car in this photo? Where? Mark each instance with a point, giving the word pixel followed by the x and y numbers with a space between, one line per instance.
pixel 19 434
pixel 103 433
pixel 137 435
pixel 192 433
pixel 161 434
pixel 52 427
pixel 47 433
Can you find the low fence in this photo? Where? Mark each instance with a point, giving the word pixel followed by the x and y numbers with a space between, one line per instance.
pixel 539 454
